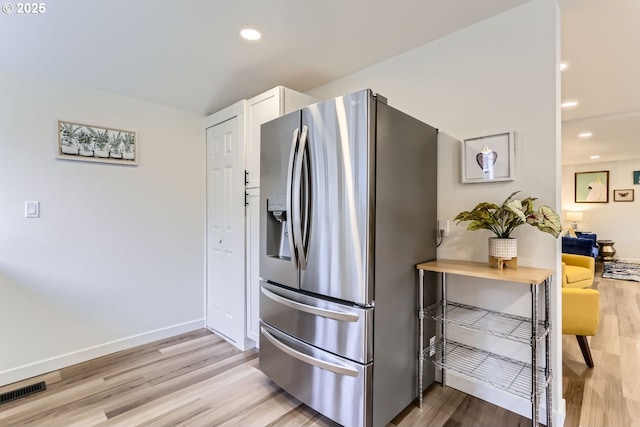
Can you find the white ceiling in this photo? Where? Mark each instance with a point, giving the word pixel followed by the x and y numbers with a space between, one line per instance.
pixel 188 54
pixel 600 42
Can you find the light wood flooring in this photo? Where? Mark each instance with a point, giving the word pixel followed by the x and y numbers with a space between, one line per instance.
pixel 608 394
pixel 197 379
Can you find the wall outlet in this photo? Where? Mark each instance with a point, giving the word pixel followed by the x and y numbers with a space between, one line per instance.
pixel 443 227
pixel 432 346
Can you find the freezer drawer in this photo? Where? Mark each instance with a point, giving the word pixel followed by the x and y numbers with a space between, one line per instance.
pixel 345 330
pixel 338 388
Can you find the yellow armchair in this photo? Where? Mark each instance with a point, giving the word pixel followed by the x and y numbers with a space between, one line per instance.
pixel 578 271
pixel 580 315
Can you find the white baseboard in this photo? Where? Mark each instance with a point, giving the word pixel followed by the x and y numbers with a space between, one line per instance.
pixel 630 260
pixel 244 345
pixel 504 399
pixel 57 362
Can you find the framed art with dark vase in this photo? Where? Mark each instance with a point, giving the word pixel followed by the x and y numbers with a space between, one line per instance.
pixel 488 158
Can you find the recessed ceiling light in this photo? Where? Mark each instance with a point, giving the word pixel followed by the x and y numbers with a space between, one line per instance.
pixel 250 34
pixel 594 157
pixel 585 135
pixel 569 104
pixel 563 66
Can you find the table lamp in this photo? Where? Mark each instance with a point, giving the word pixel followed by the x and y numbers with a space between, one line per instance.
pixel 574 217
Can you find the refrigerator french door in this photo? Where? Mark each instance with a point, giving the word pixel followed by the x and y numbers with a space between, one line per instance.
pixel 324 191
pixel 348 209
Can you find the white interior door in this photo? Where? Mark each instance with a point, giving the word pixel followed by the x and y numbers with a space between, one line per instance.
pixel 225 231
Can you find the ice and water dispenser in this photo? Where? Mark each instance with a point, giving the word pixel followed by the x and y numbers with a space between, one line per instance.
pixel 277 230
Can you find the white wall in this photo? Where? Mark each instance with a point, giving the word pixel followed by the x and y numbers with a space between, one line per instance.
pixel 117 256
pixel 617 221
pixel 498 75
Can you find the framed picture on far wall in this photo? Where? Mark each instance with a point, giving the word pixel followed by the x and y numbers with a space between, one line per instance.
pixel 592 187
pixel 623 195
pixel 636 177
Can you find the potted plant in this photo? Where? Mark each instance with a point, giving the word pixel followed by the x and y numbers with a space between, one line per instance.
pixel 69 138
pixel 115 143
pixel 85 139
pixel 128 146
pixel 503 219
pixel 100 142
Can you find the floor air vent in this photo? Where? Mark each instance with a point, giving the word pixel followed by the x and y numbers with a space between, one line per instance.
pixel 22 392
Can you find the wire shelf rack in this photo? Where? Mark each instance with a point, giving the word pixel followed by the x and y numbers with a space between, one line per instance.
pixel 509 326
pixel 501 372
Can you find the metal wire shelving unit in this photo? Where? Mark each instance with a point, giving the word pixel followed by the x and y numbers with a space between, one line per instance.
pixel 530 381
pixel 503 325
pixel 504 373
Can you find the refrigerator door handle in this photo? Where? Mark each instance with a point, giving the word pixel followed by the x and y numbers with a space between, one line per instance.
pixel 338 369
pixel 323 312
pixel 308 199
pixel 297 183
pixel 290 202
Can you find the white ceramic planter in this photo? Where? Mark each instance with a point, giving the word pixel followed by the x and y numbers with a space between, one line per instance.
pixel 503 248
pixel 69 149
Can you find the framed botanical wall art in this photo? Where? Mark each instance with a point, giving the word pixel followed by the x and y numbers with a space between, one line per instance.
pixel 592 187
pixel 77 141
pixel 623 195
pixel 488 158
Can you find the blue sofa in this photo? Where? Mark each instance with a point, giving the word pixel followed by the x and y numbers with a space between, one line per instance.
pixel 583 244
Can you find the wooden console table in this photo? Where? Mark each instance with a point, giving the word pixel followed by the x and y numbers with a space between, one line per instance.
pixel 519 378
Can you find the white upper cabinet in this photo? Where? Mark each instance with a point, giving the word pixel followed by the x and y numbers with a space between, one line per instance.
pixel 261 109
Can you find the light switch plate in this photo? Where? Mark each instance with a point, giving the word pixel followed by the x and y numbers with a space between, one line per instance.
pixel 32 209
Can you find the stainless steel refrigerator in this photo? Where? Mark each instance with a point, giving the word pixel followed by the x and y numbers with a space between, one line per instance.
pixel 348 208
